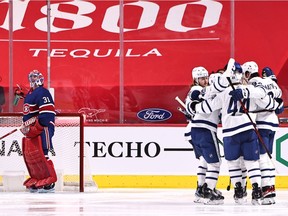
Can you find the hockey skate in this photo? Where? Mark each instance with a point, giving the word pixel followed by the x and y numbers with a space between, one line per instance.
pixel 47 188
pixel 211 197
pixel 199 196
pixel 239 194
pixel 32 189
pixel 218 192
pixel 268 194
pixel 256 194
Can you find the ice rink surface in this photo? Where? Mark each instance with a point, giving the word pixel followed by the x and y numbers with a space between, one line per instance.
pixel 138 202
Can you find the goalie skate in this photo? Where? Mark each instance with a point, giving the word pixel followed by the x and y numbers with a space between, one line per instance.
pixel 47 189
pixel 33 189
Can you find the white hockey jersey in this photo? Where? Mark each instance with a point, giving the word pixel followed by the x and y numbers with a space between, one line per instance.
pixel 219 83
pixel 234 118
pixel 202 120
pixel 269 86
pixel 265 120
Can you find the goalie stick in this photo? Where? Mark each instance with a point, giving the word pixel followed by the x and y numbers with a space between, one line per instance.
pixel 26 124
pixel 9 133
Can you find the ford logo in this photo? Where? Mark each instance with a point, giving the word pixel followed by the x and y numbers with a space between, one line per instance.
pixel 154 114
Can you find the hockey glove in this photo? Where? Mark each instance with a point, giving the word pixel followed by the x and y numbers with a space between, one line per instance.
pixel 191 106
pixel 280 107
pixel 195 95
pixel 19 92
pixel 239 94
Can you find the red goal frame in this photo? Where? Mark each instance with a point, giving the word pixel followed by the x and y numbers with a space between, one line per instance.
pixel 81 145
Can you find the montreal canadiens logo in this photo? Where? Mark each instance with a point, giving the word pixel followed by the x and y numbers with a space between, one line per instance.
pixel 26 109
pixel 154 114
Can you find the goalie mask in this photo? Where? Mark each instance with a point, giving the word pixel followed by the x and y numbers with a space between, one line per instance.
pixel 199 72
pixel 35 79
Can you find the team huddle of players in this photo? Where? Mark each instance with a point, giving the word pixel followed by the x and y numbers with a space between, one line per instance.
pixel 246 104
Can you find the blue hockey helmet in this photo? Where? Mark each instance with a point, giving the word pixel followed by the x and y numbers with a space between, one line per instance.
pixel 237 73
pixel 237 68
pixel 268 72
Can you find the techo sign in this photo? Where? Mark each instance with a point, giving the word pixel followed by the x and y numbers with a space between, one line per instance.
pixel 82 14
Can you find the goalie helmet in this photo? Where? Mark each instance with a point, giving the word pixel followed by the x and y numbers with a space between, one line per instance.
pixel 35 79
pixel 267 72
pixel 199 72
pixel 250 66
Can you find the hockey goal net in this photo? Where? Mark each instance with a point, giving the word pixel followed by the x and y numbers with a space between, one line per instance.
pixel 68 156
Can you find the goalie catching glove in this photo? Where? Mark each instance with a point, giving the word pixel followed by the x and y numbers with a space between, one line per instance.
pixel 31 128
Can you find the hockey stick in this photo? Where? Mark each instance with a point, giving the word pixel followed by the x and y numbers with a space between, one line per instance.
pixel 181 110
pixel 180 102
pixel 183 105
pixel 254 125
pixel 230 66
pixel 11 132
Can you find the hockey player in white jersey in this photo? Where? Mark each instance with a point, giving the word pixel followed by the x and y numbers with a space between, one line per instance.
pixel 239 136
pixel 203 135
pixel 267 121
pixel 220 82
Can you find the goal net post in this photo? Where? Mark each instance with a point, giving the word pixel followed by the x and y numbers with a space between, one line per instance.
pixel 71 165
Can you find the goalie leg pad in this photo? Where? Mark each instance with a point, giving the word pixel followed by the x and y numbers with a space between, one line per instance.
pixel 37 165
pixel 30 182
pixel 51 179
